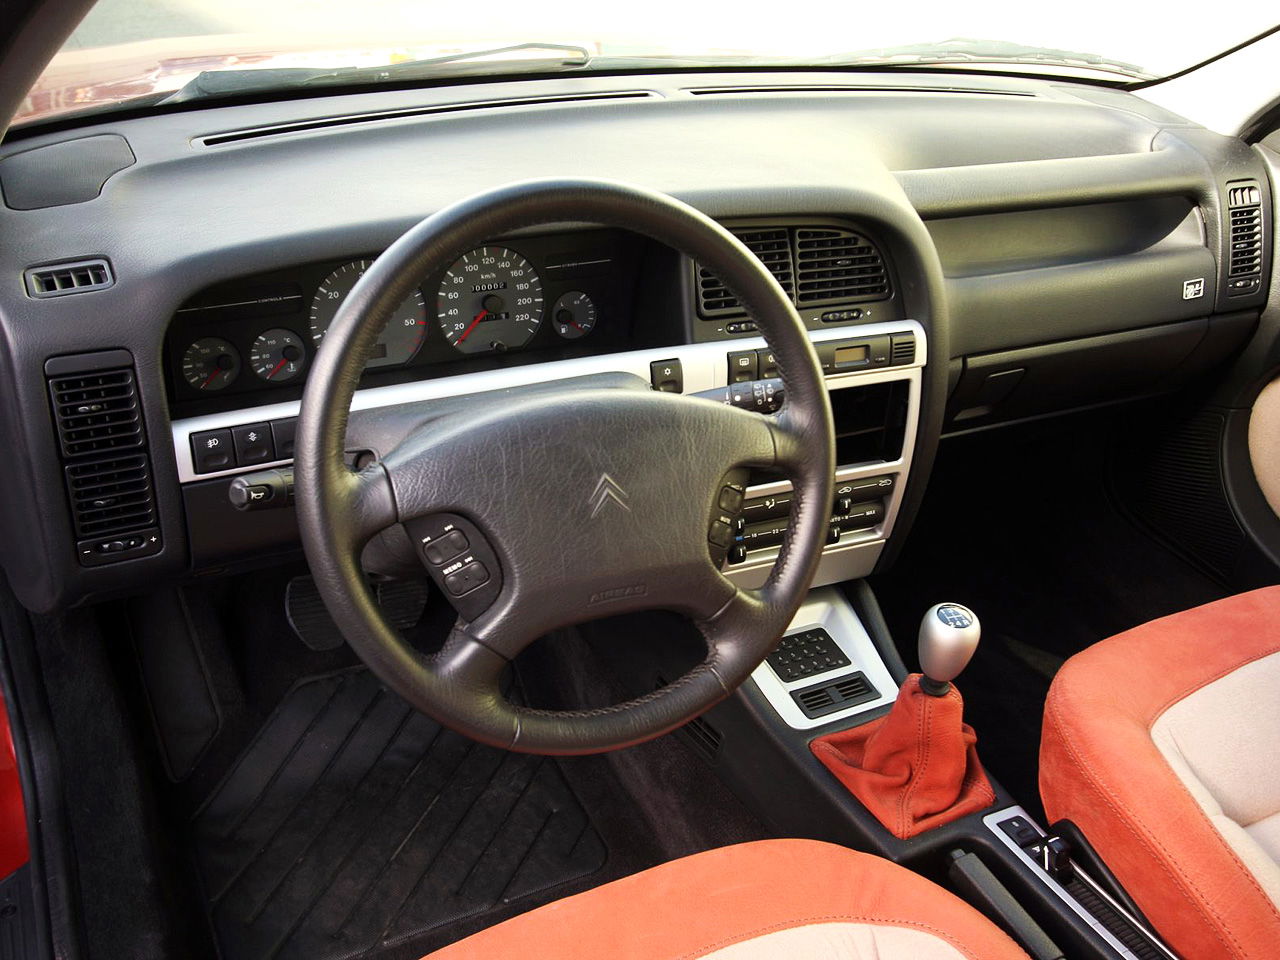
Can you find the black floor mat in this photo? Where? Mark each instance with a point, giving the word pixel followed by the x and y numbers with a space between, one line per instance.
pixel 353 824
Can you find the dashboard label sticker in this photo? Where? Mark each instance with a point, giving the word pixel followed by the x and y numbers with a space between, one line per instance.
pixel 1192 289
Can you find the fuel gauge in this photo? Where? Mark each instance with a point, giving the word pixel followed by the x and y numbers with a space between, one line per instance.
pixel 574 315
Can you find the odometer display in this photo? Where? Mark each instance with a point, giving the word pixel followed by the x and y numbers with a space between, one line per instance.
pixel 400 338
pixel 490 300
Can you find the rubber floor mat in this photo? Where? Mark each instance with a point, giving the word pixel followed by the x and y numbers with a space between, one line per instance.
pixel 352 824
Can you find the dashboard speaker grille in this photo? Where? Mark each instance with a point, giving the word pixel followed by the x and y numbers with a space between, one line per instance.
pixel 814 265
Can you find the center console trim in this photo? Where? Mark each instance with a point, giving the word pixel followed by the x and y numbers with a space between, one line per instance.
pixel 829 609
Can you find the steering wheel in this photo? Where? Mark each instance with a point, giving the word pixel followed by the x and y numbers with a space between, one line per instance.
pixel 576 503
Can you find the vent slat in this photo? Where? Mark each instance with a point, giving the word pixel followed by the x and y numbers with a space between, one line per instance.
pixel 835 265
pixel 813 265
pixel 111 496
pixel 107 475
pixel 1244 258
pixel 58 280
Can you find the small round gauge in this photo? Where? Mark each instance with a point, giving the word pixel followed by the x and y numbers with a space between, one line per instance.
pixel 574 315
pixel 278 355
pixel 490 300
pixel 210 363
pixel 400 338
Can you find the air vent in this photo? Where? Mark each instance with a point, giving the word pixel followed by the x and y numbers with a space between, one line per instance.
pixel 1244 260
pixel 96 412
pixel 110 497
pixel 828 697
pixel 838 266
pixel 61 279
pixel 105 463
pixel 772 247
pixel 902 350
pixel 815 265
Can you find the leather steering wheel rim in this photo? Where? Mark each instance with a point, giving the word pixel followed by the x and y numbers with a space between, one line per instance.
pixel 341 510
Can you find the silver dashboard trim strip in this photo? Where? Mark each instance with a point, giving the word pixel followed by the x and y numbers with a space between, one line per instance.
pixel 704 367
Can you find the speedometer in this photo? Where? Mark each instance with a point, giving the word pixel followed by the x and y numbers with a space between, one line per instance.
pixel 400 338
pixel 491 299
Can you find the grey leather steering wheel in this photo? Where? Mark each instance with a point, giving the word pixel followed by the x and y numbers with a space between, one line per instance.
pixel 589 502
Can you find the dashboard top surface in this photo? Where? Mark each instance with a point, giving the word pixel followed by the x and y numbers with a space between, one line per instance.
pixel 223 193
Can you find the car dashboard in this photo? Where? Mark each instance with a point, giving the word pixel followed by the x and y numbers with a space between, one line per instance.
pixel 964 255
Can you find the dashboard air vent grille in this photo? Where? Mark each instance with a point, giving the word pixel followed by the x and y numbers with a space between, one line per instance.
pixel 105 464
pixel 902 350
pixel 772 246
pixel 96 412
pixel 61 279
pixel 813 264
pixel 112 496
pixel 1244 260
pixel 838 265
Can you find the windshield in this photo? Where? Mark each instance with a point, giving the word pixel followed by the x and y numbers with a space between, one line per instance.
pixel 146 51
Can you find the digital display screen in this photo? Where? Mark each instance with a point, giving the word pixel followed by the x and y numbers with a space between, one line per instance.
pixel 858 353
pixel 378 352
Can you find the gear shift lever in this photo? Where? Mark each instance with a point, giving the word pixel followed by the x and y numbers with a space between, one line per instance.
pixel 949 635
pixel 917 767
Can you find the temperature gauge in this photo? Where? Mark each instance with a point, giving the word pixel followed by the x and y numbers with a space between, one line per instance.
pixel 210 364
pixel 278 355
pixel 574 315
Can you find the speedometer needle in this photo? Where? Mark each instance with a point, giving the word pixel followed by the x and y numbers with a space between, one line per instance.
pixel 467 332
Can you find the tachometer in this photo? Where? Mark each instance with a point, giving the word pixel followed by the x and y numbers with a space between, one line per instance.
pixel 402 336
pixel 491 299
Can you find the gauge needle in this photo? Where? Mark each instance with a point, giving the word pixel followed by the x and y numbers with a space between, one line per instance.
pixel 276 368
pixel 467 332
pixel 210 380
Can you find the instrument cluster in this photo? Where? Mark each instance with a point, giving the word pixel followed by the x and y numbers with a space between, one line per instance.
pixel 559 295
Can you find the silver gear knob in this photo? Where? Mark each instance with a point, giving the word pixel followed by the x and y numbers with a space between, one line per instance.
pixel 949 635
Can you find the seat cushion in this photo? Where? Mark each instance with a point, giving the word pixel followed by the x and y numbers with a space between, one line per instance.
pixel 1160 744
pixel 773 898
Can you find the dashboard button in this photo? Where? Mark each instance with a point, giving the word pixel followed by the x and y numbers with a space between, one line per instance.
pixel 253 444
pixel 667 376
pixel 466 579
pixel 742 366
pixel 731 499
pixel 720 534
pixel 445 548
pixel 767 364
pixel 282 432
pixel 212 450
